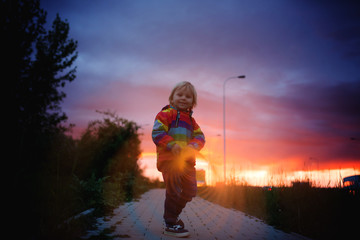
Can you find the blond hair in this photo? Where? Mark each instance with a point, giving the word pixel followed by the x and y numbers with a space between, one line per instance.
pixel 187 85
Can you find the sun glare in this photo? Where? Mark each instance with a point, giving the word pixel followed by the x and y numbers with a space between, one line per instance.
pixel 263 176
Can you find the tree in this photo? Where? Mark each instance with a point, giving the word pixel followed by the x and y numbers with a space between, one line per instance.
pixel 36 61
pixel 38 64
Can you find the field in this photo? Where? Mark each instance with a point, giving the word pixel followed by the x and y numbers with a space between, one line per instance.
pixel 318 213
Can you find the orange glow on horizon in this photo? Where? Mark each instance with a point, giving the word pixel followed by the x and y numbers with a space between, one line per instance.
pixel 274 174
pixel 262 160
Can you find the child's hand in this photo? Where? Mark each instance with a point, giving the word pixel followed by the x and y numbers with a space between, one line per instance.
pixel 188 154
pixel 176 149
pixel 189 149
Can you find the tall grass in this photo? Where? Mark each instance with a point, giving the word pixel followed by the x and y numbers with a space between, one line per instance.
pixel 319 213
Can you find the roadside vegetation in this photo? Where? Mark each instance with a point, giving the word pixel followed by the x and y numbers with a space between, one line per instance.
pixel 54 179
pixel 318 213
pixel 100 174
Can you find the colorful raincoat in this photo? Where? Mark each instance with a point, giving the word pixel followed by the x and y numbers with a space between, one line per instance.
pixel 173 126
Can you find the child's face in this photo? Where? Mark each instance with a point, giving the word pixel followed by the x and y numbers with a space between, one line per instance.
pixel 183 99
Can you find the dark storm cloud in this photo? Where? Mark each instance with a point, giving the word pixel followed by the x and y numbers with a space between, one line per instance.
pixel 332 110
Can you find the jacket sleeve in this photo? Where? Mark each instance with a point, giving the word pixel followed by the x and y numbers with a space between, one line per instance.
pixel 160 131
pixel 198 140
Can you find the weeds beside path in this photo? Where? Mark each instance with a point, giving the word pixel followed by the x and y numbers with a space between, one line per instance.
pixel 319 213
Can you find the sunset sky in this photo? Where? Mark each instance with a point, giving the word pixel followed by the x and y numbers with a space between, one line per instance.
pixel 297 110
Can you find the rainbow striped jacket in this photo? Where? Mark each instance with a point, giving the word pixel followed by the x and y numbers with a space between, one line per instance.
pixel 172 126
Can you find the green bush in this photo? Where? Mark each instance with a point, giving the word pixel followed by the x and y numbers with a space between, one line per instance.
pixel 98 171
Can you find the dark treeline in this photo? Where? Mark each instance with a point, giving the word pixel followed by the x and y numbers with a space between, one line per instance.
pixel 51 176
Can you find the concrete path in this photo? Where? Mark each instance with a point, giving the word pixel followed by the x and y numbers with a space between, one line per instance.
pixel 204 220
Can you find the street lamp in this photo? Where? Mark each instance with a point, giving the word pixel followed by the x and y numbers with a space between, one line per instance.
pixel 224 125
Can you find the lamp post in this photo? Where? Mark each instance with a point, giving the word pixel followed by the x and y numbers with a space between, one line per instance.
pixel 224 124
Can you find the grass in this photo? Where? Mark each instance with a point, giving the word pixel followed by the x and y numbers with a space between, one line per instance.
pixel 318 213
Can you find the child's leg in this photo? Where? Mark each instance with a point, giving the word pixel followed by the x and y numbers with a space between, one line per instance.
pixel 189 186
pixel 180 189
pixel 172 182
